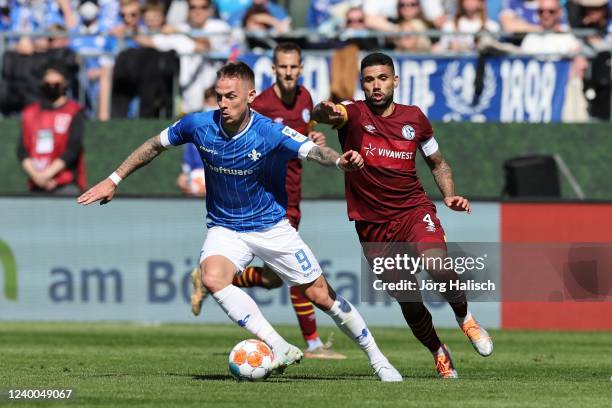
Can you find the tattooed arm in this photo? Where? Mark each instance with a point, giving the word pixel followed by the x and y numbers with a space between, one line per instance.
pixel 105 190
pixel 327 156
pixel 141 156
pixel 442 173
pixel 444 179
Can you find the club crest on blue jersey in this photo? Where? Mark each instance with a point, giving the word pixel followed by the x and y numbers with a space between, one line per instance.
pixel 254 155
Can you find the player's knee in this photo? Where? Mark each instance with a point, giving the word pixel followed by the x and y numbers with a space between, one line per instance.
pixel 213 280
pixel 217 273
pixel 320 296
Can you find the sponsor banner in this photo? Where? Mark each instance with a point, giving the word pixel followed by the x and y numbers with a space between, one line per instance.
pixel 587 268
pixel 452 89
pixel 131 260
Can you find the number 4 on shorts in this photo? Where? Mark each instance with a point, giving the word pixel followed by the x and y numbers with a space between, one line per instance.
pixel 428 221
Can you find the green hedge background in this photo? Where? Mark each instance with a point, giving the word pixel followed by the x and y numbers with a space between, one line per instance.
pixel 476 153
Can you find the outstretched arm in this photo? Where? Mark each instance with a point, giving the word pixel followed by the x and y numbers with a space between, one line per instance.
pixel 141 156
pixel 444 179
pixel 329 113
pixel 326 156
pixel 105 190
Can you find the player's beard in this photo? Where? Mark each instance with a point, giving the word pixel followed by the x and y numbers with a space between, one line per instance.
pixel 286 88
pixel 381 105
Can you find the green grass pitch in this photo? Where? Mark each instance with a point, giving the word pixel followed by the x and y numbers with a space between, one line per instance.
pixel 124 365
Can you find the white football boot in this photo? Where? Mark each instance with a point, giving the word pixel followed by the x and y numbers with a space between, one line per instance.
pixel 480 339
pixel 285 358
pixel 386 372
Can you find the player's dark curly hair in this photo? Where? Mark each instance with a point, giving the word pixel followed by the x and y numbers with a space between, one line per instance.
pixel 237 69
pixel 377 58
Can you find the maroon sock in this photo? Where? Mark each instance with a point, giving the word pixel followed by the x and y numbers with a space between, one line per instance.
pixel 419 320
pixel 305 314
pixel 252 276
pixel 459 308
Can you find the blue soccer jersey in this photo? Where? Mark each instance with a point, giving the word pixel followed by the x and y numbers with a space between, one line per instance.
pixel 245 173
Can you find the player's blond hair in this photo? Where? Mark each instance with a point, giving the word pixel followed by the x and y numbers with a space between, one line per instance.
pixel 239 70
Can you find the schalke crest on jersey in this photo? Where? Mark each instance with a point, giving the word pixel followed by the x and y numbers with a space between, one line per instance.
pixel 408 132
pixel 306 115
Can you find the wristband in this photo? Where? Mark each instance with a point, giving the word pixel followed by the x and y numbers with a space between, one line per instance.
pixel 115 178
pixel 338 163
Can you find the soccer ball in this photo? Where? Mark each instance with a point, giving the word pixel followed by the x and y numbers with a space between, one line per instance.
pixel 250 360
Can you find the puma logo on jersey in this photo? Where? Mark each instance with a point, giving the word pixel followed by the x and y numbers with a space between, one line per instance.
pixel 370 128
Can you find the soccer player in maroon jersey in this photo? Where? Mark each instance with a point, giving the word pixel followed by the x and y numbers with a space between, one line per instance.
pixel 386 199
pixel 288 103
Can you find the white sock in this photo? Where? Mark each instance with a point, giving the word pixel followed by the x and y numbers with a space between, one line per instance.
pixel 243 310
pixel 462 320
pixel 351 323
pixel 313 344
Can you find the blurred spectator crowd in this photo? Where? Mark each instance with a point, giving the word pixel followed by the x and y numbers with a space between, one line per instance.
pixel 154 58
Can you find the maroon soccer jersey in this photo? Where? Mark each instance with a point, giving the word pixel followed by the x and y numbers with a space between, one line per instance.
pixel 297 117
pixel 388 184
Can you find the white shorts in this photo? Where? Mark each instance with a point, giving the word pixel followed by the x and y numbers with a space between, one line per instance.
pixel 280 246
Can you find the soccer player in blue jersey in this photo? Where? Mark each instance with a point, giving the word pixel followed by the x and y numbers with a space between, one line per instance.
pixel 245 156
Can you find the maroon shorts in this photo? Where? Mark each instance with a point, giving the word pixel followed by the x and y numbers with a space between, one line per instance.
pixel 294 215
pixel 415 232
pixel 418 225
